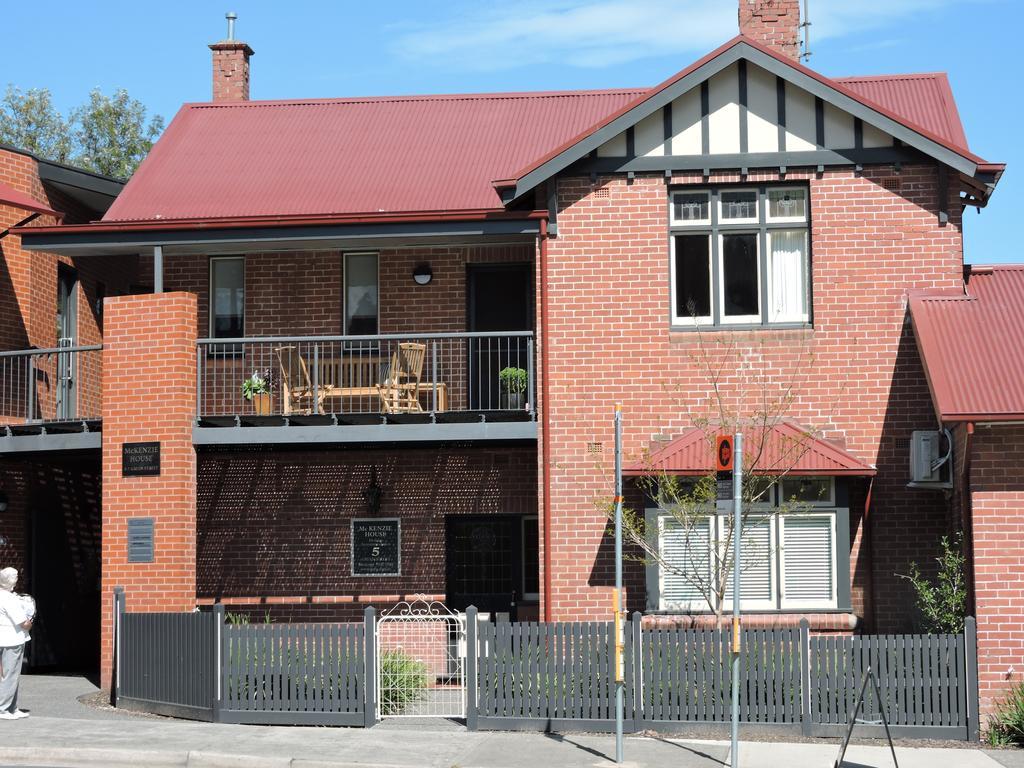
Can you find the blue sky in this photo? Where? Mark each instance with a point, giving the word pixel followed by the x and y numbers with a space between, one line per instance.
pixel 308 49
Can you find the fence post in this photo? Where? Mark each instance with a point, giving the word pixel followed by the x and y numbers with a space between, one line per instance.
pixel 638 672
pixel 369 667
pixel 119 607
pixel 971 660
pixel 471 660
pixel 805 677
pixel 220 661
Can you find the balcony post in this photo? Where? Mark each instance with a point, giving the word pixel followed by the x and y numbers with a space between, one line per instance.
pixel 31 388
pixel 316 379
pixel 433 366
pixel 529 378
pixel 158 269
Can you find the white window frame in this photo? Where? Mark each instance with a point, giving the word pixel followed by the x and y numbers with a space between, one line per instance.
pixel 786 219
pixel 804 316
pixel 786 604
pixel 724 319
pixel 724 222
pixel 689 222
pixel 212 297
pixel 829 502
pixel 344 289
pixel 687 319
pixel 746 604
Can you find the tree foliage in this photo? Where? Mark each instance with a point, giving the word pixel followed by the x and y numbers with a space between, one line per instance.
pixel 942 601
pixel 108 134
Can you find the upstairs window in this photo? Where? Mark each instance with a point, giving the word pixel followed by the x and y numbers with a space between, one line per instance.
pixel 227 297
pixel 740 256
pixel 361 304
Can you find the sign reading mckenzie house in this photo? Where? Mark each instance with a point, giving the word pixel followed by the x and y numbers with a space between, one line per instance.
pixel 140 459
pixel 376 546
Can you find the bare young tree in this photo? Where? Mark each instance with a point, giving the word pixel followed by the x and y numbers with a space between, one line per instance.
pixel 745 392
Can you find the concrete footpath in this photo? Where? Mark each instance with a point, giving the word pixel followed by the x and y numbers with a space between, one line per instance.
pixel 63 732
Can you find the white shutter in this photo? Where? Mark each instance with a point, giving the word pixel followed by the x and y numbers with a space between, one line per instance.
pixel 686 551
pixel 757 558
pixel 808 561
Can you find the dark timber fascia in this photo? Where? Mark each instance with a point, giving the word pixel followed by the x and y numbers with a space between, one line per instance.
pixel 699 76
pixel 741 78
pixel 370 433
pixel 780 107
pixel 134 241
pixel 874 155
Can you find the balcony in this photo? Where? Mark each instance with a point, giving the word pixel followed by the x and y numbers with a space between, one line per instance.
pixel 393 388
pixel 51 399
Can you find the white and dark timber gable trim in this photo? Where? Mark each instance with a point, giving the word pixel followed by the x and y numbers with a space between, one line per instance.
pixel 741 108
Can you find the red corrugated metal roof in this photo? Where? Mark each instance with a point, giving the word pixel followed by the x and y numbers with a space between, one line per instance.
pixel 326 157
pixel 972 346
pixel 788 448
pixel 925 99
pixel 10 196
pixel 346 156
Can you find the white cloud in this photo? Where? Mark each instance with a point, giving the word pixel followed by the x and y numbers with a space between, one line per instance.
pixel 603 33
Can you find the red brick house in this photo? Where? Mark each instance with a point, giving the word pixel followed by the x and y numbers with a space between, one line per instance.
pixel 51 305
pixel 384 262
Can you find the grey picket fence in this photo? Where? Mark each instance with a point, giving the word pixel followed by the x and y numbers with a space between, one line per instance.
pixel 560 676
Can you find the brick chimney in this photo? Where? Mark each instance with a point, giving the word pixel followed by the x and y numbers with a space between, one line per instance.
pixel 231 66
pixel 774 23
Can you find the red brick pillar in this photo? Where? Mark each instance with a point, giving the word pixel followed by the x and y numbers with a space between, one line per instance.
pixel 149 391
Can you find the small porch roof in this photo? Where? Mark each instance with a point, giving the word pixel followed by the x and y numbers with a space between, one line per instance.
pixel 788 447
pixel 12 197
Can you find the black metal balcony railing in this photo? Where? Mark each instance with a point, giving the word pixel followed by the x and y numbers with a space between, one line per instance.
pixel 431 373
pixel 51 385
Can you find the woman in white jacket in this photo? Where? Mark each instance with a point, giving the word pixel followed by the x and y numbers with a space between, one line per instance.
pixel 15 622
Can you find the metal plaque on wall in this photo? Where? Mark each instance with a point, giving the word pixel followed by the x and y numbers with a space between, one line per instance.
pixel 140 459
pixel 376 546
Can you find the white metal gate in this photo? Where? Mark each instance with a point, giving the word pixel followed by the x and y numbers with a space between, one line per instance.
pixel 421 661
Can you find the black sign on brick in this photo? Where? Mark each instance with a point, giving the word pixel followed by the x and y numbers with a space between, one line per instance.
pixel 376 546
pixel 140 459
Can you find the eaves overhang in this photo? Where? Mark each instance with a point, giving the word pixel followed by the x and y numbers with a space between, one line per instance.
pixel 288 233
pixel 740 47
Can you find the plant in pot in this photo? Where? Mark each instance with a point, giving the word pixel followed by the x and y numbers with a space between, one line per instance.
pixel 513 388
pixel 256 389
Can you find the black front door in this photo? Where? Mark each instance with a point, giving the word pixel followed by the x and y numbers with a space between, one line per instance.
pixel 485 562
pixel 500 298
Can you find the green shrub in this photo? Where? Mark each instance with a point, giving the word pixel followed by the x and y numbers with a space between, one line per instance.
pixel 403 680
pixel 512 380
pixel 1006 727
pixel 943 602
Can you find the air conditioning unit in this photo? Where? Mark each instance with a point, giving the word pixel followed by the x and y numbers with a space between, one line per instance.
pixel 931 459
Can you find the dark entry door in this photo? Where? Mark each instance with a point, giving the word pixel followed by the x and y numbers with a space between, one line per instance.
pixel 500 299
pixel 485 563
pixel 67 326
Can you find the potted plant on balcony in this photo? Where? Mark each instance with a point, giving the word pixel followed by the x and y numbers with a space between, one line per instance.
pixel 513 388
pixel 256 389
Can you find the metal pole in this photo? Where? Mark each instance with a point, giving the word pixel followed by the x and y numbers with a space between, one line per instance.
pixel 737 531
pixel 158 269
pixel 619 677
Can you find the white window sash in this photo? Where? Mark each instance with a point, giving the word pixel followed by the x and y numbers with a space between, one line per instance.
pixel 684 320
pixel 724 222
pixel 689 222
pixel 781 290
pixel 802 604
pixel 827 501
pixel 785 219
pixel 724 319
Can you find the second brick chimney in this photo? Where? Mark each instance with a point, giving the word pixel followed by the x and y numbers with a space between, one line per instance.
pixel 231 67
pixel 774 23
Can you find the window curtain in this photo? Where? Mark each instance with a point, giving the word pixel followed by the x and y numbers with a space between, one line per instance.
pixel 789 293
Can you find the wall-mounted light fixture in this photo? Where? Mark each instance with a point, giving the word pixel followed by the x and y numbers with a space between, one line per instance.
pixel 373 494
pixel 422 274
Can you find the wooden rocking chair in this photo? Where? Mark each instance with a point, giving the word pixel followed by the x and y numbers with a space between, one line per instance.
pixel 297 391
pixel 400 388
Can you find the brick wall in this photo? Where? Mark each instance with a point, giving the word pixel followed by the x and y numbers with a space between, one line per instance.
pixel 856 375
pixel 274 526
pixel 149 395
pixel 997 517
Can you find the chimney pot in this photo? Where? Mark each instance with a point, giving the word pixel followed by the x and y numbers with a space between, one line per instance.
pixel 773 23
